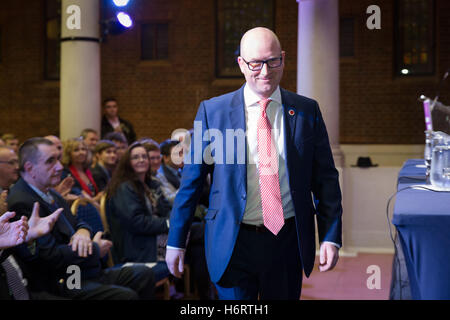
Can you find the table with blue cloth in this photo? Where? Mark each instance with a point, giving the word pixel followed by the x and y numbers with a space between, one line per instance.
pixel 422 219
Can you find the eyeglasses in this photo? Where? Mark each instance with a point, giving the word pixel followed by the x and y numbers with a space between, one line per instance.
pixel 11 162
pixel 258 65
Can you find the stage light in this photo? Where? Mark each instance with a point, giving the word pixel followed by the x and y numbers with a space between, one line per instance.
pixel 115 17
pixel 121 3
pixel 405 71
pixel 124 19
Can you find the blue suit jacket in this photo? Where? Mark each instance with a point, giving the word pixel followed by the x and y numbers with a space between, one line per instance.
pixel 310 168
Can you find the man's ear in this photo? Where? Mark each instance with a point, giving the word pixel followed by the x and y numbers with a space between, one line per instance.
pixel 241 63
pixel 28 167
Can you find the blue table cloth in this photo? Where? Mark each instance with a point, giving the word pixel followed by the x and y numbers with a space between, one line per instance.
pixel 422 219
pixel 412 172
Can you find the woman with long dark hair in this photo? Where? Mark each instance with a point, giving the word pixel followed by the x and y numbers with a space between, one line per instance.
pixel 135 227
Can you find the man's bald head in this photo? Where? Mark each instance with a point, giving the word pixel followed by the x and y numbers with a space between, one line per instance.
pixel 260 48
pixel 256 36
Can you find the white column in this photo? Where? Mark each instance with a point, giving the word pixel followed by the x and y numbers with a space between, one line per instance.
pixel 80 95
pixel 318 62
pixel 318 68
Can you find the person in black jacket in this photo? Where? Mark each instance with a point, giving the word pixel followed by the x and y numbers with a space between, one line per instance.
pixel 46 261
pixel 112 122
pixel 131 211
pixel 106 161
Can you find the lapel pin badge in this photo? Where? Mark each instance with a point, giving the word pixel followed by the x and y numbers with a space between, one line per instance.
pixel 291 112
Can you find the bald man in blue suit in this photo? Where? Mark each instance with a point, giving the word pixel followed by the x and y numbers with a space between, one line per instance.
pixel 245 259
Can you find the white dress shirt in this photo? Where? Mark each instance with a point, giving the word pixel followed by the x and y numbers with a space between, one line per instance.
pixel 274 111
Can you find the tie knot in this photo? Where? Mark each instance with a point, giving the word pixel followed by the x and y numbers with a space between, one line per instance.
pixel 264 103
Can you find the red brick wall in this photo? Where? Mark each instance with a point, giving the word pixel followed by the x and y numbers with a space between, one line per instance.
pixel 375 106
pixel 160 98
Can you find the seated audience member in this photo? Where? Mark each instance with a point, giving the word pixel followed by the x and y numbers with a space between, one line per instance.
pixel 75 164
pixel 9 269
pixel 135 227
pixel 106 159
pixel 111 122
pixel 90 139
pixel 120 141
pixel 71 241
pixel 2 143
pixel 9 173
pixel 11 141
pixel 154 155
pixel 170 171
pixel 163 206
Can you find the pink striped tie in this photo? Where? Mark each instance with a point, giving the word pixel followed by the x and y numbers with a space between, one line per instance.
pixel 269 183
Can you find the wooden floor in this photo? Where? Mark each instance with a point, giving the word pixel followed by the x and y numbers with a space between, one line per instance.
pixel 348 280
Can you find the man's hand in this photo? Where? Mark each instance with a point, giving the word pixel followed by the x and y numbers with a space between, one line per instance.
pixel 41 226
pixel 103 244
pixel 81 242
pixel 12 233
pixel 175 261
pixel 3 203
pixel 64 187
pixel 329 255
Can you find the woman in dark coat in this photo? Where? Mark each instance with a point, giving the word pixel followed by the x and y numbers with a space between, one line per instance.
pixel 136 228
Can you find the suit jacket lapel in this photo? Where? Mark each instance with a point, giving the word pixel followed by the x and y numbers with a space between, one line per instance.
pixel 46 209
pixel 43 205
pixel 237 120
pixel 290 113
pixel 66 219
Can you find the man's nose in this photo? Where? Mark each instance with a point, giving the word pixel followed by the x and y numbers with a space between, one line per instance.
pixel 264 69
pixel 59 166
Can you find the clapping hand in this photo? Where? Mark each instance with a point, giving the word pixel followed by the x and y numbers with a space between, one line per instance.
pixel 38 226
pixel 12 233
pixel 64 187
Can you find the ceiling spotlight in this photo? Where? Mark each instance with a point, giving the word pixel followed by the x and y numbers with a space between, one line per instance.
pixel 124 19
pixel 121 3
pixel 405 71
